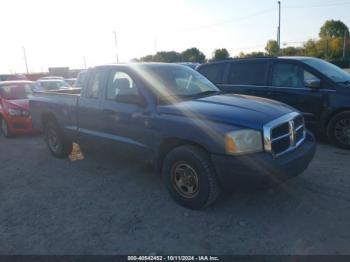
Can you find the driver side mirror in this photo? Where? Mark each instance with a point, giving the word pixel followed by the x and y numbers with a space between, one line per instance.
pixel 313 83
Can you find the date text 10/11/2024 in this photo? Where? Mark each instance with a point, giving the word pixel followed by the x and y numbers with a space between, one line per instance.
pixel 173 258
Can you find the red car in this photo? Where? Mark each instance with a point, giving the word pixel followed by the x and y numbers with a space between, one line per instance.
pixel 14 107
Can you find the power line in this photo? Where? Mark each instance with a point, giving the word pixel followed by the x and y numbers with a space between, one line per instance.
pixel 258 14
pixel 219 23
pixel 294 42
pixel 227 21
pixel 262 45
pixel 223 22
pixel 320 5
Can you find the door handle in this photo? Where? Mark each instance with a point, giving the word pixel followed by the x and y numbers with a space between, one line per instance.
pixel 141 114
pixel 109 112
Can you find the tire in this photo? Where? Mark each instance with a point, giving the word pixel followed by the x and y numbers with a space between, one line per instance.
pixel 190 177
pixel 56 142
pixel 338 130
pixel 4 128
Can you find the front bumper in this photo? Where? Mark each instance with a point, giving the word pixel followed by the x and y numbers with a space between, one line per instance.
pixel 263 167
pixel 20 125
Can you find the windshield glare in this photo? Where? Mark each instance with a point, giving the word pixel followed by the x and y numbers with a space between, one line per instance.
pixel 332 71
pixel 16 91
pixel 179 82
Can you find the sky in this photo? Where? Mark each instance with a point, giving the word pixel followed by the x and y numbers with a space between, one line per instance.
pixel 77 33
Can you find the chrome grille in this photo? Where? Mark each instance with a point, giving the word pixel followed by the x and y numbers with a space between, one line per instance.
pixel 284 134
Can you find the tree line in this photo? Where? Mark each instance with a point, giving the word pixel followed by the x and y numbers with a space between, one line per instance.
pixel 333 45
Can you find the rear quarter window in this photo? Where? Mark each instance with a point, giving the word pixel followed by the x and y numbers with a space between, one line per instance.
pixel 248 73
pixel 214 72
pixel 94 85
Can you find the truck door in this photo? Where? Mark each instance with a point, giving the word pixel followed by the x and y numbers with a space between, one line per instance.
pixel 90 116
pixel 288 85
pixel 125 114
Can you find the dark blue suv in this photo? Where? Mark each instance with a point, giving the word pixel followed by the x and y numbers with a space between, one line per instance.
pixel 320 90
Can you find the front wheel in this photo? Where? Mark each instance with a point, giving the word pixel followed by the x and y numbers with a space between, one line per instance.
pixel 190 177
pixel 338 130
pixel 4 128
pixel 56 142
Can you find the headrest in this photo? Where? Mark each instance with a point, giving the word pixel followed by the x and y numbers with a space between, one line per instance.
pixel 122 84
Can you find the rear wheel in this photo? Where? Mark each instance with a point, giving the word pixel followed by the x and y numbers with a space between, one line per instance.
pixel 338 130
pixel 4 128
pixel 56 142
pixel 190 177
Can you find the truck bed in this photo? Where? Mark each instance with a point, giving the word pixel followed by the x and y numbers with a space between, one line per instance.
pixel 70 91
pixel 60 104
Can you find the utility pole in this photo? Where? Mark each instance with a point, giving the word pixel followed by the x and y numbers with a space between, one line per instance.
pixel 279 26
pixel 344 46
pixel 25 58
pixel 116 46
pixel 84 60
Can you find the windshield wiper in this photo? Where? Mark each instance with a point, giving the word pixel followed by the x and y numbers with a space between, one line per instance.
pixel 206 93
pixel 173 98
pixel 347 82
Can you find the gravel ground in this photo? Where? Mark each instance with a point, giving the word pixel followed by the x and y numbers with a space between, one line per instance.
pixel 110 205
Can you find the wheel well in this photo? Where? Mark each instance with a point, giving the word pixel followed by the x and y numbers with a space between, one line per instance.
pixel 46 117
pixel 333 114
pixel 169 144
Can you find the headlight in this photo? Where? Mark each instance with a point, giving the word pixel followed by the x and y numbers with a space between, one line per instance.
pixel 243 142
pixel 17 112
pixel 25 113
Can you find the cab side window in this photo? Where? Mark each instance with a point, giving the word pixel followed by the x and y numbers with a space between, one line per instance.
pixel 248 73
pixel 214 72
pixel 122 88
pixel 309 77
pixel 290 75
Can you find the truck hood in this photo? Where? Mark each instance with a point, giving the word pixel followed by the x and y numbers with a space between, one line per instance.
pixel 237 110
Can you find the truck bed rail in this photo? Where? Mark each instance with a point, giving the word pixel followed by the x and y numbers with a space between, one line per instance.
pixel 72 91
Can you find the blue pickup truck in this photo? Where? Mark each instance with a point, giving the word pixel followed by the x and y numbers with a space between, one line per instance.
pixel 199 139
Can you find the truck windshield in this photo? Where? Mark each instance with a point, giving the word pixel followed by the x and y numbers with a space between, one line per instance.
pixel 53 85
pixel 179 82
pixel 16 91
pixel 333 72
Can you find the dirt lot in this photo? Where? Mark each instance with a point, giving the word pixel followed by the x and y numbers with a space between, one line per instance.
pixel 104 205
